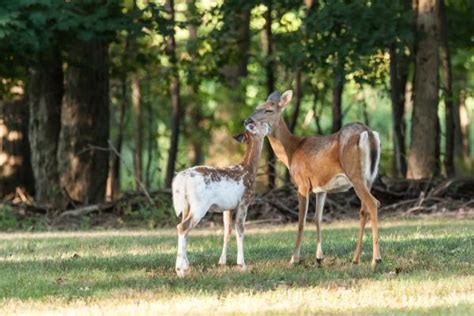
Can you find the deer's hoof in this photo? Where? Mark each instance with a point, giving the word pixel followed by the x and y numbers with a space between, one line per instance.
pixel 242 267
pixel 293 261
pixel 319 261
pixel 376 262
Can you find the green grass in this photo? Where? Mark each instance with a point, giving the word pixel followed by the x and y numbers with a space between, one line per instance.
pixel 427 269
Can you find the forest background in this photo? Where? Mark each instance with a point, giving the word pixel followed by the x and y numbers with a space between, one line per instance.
pixel 102 98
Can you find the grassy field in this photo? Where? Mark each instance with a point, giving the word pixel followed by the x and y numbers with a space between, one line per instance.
pixel 427 269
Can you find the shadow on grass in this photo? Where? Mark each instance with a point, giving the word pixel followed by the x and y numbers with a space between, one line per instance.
pixel 85 276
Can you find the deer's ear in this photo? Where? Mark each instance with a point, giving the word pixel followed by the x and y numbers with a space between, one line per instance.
pixel 274 96
pixel 240 138
pixel 286 98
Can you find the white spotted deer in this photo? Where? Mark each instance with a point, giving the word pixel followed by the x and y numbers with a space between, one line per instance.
pixel 325 164
pixel 201 189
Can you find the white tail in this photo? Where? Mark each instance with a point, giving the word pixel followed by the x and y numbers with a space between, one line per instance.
pixel 370 155
pixel 179 194
pixel 364 146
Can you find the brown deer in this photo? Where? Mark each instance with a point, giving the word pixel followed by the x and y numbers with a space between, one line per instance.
pixel 325 164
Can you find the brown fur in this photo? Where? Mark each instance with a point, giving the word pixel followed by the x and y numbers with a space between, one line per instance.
pixel 314 161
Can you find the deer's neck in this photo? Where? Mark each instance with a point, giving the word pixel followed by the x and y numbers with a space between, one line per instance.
pixel 283 142
pixel 252 155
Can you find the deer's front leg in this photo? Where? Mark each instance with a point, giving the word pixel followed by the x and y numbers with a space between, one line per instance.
pixel 303 209
pixel 227 232
pixel 239 228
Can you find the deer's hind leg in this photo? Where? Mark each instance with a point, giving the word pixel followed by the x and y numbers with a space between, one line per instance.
pixel 188 222
pixel 320 199
pixel 368 208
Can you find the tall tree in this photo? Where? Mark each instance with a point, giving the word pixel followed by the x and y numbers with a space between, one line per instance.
pixel 45 92
pixel 196 115
pixel 337 89
pixel 398 80
pixel 83 162
pixel 423 160
pixel 270 79
pixel 15 163
pixel 447 79
pixel 137 129
pixel 175 96
pixel 113 179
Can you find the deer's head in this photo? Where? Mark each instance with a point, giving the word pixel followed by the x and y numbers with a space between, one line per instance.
pixel 271 111
pixel 256 130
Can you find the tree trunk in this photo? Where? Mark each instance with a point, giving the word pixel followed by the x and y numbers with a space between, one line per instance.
pixel 175 97
pixel 151 135
pixel 423 160
pixel 137 129
pixel 298 97
pixel 398 80
pixel 83 162
pixel 338 86
pixel 194 108
pixel 238 23
pixel 113 180
pixel 45 92
pixel 448 91
pixel 15 155
pixel 269 70
pixel 463 142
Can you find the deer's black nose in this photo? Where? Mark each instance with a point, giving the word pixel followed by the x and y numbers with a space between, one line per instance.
pixel 248 121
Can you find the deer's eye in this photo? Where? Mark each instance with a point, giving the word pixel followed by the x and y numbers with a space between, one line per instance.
pixel 268 111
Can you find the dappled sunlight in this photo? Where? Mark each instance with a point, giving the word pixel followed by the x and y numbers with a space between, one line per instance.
pixel 124 272
pixel 363 295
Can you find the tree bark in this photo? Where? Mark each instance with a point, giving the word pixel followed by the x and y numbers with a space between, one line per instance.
pixel 83 158
pixel 423 160
pixel 298 97
pixel 398 80
pixel 15 156
pixel 448 92
pixel 137 129
pixel 338 86
pixel 269 71
pixel 194 108
pixel 238 23
pixel 175 97
pixel 463 142
pixel 45 92
pixel 113 180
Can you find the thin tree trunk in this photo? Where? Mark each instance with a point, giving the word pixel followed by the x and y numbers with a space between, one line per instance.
pixel 464 123
pixel 113 180
pixel 83 162
pixel 448 91
pixel 317 114
pixel 45 92
pixel 398 80
pixel 338 86
pixel 423 160
pixel 298 97
pixel 175 97
pixel 151 135
pixel 269 70
pixel 137 129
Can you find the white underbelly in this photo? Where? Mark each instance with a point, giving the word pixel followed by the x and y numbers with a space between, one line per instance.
pixel 339 183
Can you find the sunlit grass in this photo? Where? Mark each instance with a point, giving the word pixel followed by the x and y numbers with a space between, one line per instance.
pixel 427 268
